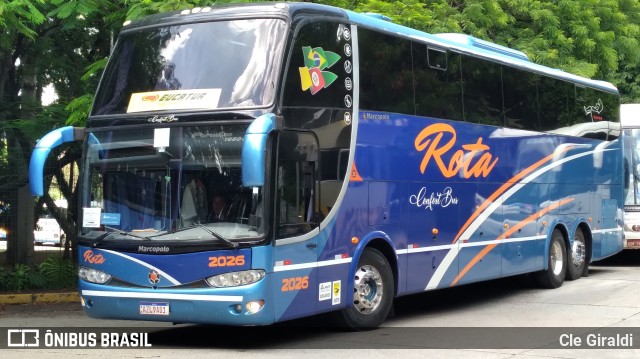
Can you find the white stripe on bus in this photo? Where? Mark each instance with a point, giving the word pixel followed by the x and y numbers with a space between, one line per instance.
pixel 448 259
pixel 157 295
pixel 162 273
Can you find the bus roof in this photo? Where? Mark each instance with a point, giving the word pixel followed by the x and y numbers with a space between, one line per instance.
pixel 460 43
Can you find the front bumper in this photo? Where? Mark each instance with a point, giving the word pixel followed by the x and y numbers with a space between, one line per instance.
pixel 227 306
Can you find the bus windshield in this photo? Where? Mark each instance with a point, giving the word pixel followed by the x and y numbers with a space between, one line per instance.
pixel 177 183
pixel 632 166
pixel 225 64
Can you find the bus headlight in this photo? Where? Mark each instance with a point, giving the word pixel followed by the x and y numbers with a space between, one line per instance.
pixel 235 279
pixel 93 275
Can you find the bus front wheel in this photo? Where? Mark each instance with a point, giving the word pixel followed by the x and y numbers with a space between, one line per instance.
pixel 554 275
pixel 373 290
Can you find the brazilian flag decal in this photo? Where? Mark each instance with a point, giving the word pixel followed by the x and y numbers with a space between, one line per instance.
pixel 312 76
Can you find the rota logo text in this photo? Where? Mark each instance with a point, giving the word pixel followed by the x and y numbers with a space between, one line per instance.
pixel 464 161
pixel 90 257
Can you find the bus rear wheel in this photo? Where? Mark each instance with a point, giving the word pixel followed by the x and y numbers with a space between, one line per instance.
pixel 577 256
pixel 373 290
pixel 554 275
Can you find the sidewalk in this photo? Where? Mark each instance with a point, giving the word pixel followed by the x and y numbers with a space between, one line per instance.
pixel 39 297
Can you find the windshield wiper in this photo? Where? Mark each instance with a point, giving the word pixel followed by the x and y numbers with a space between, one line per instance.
pixel 115 231
pixel 216 235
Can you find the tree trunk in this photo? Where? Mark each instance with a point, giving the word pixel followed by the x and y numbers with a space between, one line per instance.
pixel 29 104
pixel 20 245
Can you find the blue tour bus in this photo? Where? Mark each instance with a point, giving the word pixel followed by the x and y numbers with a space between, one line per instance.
pixel 356 161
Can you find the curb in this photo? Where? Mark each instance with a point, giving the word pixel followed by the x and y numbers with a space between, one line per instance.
pixel 39 298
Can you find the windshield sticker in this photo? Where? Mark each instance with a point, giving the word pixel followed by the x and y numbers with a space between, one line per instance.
pixel 174 100
pixel 110 219
pixel 161 137
pixel 312 76
pixel 91 217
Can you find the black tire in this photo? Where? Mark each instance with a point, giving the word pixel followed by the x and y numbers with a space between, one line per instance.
pixel 373 293
pixel 554 275
pixel 577 256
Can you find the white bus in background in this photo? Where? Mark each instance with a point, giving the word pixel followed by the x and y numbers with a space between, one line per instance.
pixel 630 119
pixel 48 231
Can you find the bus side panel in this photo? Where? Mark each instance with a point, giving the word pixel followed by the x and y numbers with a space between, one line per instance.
pixel 481 251
pixel 523 250
pixel 434 221
pixel 388 215
pixel 610 240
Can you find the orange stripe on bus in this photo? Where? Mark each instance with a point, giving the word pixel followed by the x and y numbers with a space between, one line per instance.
pixel 506 234
pixel 503 189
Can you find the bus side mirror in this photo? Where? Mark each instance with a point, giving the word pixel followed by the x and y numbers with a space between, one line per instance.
pixel 51 140
pixel 254 148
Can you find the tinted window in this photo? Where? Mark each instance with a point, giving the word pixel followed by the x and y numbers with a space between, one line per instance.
pixel 437 83
pixel 482 82
pixel 520 99
pixel 386 76
pixel 555 109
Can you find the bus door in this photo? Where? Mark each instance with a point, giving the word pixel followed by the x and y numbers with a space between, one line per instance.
pixel 296 228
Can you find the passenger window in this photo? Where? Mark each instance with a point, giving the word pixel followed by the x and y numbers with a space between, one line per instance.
pixel 386 73
pixel 521 99
pixel 437 83
pixel 482 86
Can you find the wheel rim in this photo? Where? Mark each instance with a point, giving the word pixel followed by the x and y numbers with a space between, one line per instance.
pixel 367 290
pixel 556 259
pixel 578 251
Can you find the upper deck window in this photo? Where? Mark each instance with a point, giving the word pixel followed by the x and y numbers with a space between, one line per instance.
pixel 225 64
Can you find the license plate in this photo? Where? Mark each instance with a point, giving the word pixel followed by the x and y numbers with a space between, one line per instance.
pixel 633 243
pixel 154 308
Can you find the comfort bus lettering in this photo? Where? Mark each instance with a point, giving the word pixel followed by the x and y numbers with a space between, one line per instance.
pixel 442 199
pixel 430 141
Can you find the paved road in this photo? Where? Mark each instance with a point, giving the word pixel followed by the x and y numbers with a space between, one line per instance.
pixel 605 302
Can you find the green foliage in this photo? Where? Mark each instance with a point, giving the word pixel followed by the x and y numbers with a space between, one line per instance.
pixel 79 109
pixel 58 273
pixel 21 278
pixel 20 15
pixel 53 273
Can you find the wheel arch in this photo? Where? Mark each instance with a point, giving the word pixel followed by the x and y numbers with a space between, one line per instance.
pixel 381 242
